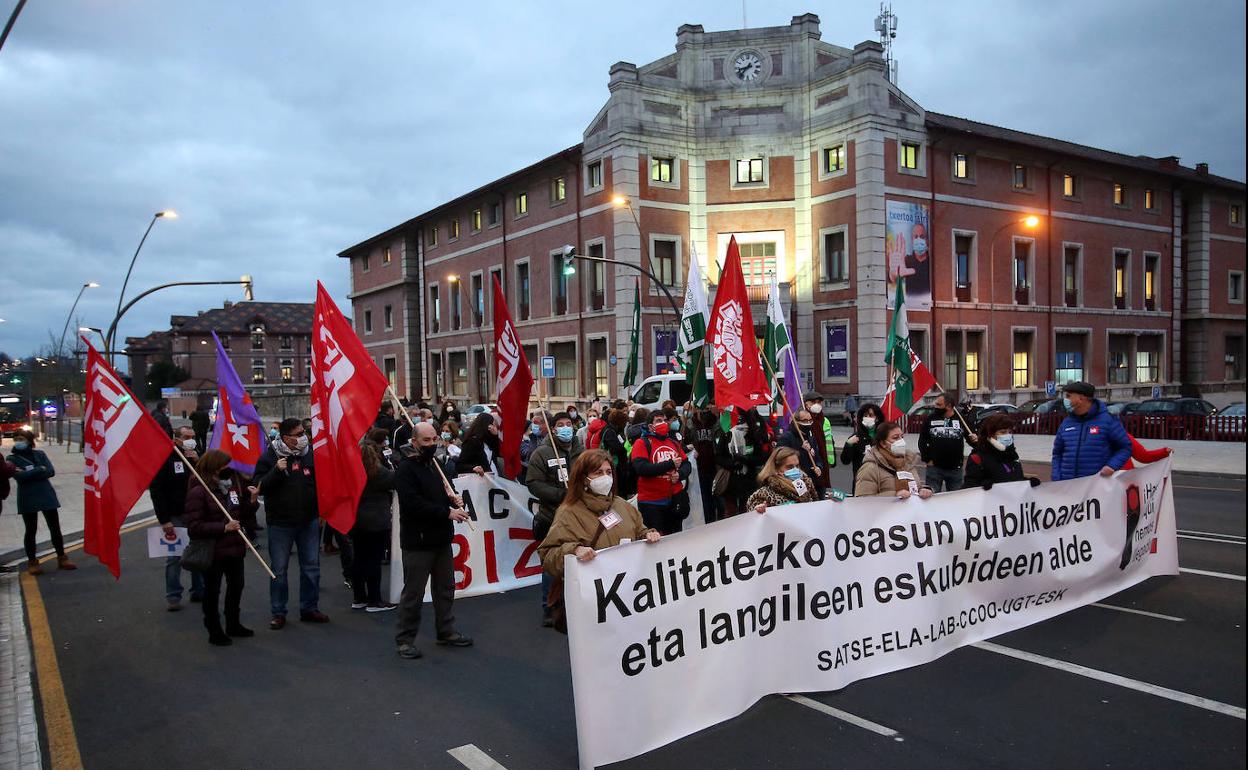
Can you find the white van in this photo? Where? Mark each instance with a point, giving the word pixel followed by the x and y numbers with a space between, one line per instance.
pixel 654 390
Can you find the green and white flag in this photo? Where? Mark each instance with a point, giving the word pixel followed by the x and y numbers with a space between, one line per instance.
pixel 691 339
pixel 630 372
pixel 897 355
pixel 780 357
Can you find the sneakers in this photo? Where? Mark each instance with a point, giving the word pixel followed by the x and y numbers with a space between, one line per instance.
pixel 174 605
pixel 358 605
pixel 409 651
pixel 315 616
pixel 277 623
pixel 458 640
pixel 380 607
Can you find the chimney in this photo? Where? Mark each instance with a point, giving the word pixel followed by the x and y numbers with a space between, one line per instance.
pixel 1202 169
pixel 1169 162
pixel 228 304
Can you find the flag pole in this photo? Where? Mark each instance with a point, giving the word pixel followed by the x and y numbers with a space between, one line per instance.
pixel 549 431
pixel 805 441
pixel 221 505
pixel 961 419
pixel 446 483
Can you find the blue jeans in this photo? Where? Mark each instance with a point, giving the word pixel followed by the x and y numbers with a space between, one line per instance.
pixel 173 580
pixel 307 539
pixel 942 479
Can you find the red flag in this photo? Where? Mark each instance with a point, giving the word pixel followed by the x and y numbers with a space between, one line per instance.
pixel 123 448
pixel 924 381
pixel 739 377
pixel 514 384
pixel 347 388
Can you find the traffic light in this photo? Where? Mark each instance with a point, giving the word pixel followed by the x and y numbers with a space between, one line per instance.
pixel 569 267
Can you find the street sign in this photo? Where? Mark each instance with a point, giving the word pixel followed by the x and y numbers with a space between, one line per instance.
pixel 548 367
pixel 1156 391
pixel 50 411
pixel 1050 388
pixel 170 392
pixel 614 359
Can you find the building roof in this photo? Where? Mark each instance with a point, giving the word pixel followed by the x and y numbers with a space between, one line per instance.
pixel 478 192
pixel 237 317
pixel 1166 167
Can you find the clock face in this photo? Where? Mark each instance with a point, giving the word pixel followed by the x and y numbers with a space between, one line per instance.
pixel 748 66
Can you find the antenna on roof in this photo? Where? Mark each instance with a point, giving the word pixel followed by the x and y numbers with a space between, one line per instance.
pixel 886 25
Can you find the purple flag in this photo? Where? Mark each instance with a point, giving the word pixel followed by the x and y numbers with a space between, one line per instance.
pixel 237 430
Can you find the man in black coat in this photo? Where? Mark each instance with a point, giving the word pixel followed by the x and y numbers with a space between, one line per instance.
pixel 941 442
pixel 168 491
pixel 427 516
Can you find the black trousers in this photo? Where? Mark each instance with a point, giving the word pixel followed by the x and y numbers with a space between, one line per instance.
pixel 231 569
pixel 665 517
pixel 370 547
pixel 53 518
pixel 419 566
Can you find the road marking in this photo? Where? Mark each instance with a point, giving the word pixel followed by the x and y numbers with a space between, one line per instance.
pixel 474 758
pixel 845 716
pixel 1121 681
pixel 1207 573
pixel 1212 539
pixel 1157 615
pixel 1211 534
pixel 58 723
pixel 1219 489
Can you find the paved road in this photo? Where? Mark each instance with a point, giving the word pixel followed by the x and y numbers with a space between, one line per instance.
pixel 147 691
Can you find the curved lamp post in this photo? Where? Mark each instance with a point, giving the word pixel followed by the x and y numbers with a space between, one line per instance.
pixel 60 346
pixel 166 214
pixel 245 281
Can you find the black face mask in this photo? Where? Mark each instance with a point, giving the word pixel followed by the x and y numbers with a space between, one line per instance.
pixel 425 453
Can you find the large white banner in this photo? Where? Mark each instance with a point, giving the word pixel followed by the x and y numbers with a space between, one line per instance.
pixel 497 553
pixel 669 638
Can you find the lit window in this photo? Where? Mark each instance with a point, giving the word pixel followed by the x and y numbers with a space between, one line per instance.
pixel 661 170
pixel 1022 369
pixel 454 228
pixel 1149 202
pixel 834 159
pixel 749 170
pixel 1120 195
pixel 1069 185
pixel 1020 176
pixel 909 155
pixel 257 371
pixel 431 236
pixel 475 219
pixel 972 370
pixel 1151 268
pixel 1237 214
pixel 961 166
pixel 593 172
pixel 385 255
pixel 558 190
pixel 522 204
pixel 288 371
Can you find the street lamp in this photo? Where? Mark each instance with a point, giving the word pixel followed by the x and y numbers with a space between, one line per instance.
pixel 245 281
pixel 166 214
pixel 60 346
pixel 454 281
pixel 1031 222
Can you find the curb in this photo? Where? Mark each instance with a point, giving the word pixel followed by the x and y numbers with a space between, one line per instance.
pixel 18 555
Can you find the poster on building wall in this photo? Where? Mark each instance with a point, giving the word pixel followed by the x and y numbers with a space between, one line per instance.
pixel 664 350
pixel 836 351
pixel 906 253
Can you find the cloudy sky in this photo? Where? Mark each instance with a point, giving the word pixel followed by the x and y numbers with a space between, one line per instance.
pixel 283 131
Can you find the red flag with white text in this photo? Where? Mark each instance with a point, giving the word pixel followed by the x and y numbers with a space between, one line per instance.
pixel 123 447
pixel 739 377
pixel 347 388
pixel 514 384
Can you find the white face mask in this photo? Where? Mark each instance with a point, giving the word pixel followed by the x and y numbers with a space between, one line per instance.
pixel 898 447
pixel 815 408
pixel 868 422
pixel 601 485
pixel 188 445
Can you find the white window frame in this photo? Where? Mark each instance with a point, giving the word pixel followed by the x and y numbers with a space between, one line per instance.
pixel 921 159
pixel 824 171
pixel 488 288
pixel 476 219
pixel 394 360
pixel 972 264
pixel 501 214
pixel 431 236
pixel 732 172
pixel 1029 184
pixel 546 343
pixel 551 190
pixel 515 205
pixel 554 311
pixel 970 167
pixel 1081 297
pixel 825 282
pixel 672 185
pixel 366 263
pixel 1230 300
pixel 435 312
pixel 590 378
pixel 590 187
pixel 680 275
pixel 823 347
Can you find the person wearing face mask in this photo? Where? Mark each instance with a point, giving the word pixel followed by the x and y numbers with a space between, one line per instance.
pixel 615 443
pixel 1090 440
pixel 940 444
pixel 888 469
pixel 32 469
pixel 591 517
pixel 287 481
pixel 574 415
pixel 547 480
pixel 994 459
pixel 427 517
pixel 819 436
pixel 449 412
pixel 799 437
pixel 866 419
pixel 481 447
pixel 662 469
pixel 674 425
pixel 205 521
pixel 539 425
pixel 782 481
pixel 160 413
pixel 168 491
pixel 741 451
pixel 371 533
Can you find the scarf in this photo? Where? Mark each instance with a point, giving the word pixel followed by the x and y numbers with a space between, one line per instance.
pixel 782 486
pixel 886 458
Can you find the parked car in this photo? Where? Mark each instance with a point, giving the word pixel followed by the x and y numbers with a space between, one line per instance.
pixel 1229 423
pixel 1178 406
pixel 1232 410
pixel 1040 415
pixel 981 411
pixel 471 412
pixel 1179 419
pixel 1122 408
pixel 653 391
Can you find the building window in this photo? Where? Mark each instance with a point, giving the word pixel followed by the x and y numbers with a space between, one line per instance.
pixel 1120 194
pixel 1237 214
pixel 1150 200
pixel 1069 359
pixel 593 175
pixel 599 369
pixel 558 284
pixel 257 371
pixel 431 236
pixel 530 355
pixel 834 159
pixel 758 262
pixel 483 375
pixel 1148 358
pixel 1071 257
pixel 963 357
pixel 522 204
pixel 474 220
pixel 1152 274
pixel 1122 278
pixel 1020 177
pixel 1234 358
pixel 835 260
pixel 961 166
pixel 364 264
pixel 597 278
pixel 565 368
pixel 390 367
pixel 665 264
pixel 257 337
pixel 1022 360
pixel 435 367
pixel 1070 186
pixel 387 317
pixel 661 170
pixel 385 255
pixel 523 293
pixel 496 274
pixel 478 299
pixel 368 322
pixel 225 341
pixel 286 342
pixel 435 309
pixel 496 216
pixel 910 155
pixel 456 308
pixel 558 190
pixel 459 373
pixel 972 358
pixel 964 270
pixel 749 170
pixel 1234 287
pixel 288 371
pixel 453 229
pixel 1119 364
pixel 1022 272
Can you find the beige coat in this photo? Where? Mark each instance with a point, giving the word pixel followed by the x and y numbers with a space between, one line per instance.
pixel 873 480
pixel 576 524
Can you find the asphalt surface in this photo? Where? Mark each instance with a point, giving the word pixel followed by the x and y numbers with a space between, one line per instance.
pixel 147 691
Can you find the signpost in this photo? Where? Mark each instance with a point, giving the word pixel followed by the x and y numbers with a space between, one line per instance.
pixel 548 367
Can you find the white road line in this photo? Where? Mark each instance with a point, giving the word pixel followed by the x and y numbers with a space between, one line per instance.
pixel 474 758
pixel 1212 539
pixel 845 716
pixel 1207 573
pixel 1211 534
pixel 1157 615
pixel 1121 681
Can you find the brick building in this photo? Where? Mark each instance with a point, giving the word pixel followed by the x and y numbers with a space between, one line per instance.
pixel 1132 275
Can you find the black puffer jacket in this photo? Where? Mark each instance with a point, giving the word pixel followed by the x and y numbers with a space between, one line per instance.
pixel 989 465
pixel 289 495
pixel 373 514
pixel 424 507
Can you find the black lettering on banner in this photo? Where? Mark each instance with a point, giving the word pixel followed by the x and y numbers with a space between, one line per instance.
pixel 498 499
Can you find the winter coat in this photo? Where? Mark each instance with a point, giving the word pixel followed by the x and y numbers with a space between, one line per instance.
pixel 593 433
pixel 653 458
pixel 793 440
pixel 472 454
pixel 289 495
pixel 780 491
pixel 577 523
pixel 878 477
pixel 744 468
pixel 373 513
pixel 168 490
pixel 34 491
pixel 7 469
pixel 614 445
pixel 989 465
pixel 940 441
pixel 424 507
pixel 205 521
pixel 542 479
pixel 1084 445
pixel 162 419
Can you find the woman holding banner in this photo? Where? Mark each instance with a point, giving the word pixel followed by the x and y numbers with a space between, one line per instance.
pixel 888 470
pixel 481 447
pixel 782 482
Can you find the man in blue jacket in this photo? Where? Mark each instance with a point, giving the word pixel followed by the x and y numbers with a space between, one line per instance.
pixel 1090 440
